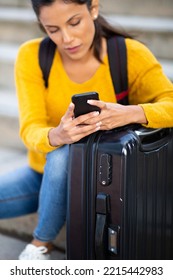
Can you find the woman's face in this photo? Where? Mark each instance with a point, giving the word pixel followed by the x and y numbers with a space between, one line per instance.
pixel 71 27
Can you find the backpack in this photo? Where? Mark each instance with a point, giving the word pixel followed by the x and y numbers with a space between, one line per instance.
pixel 117 61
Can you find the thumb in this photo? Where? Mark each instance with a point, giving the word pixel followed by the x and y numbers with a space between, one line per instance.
pixel 70 111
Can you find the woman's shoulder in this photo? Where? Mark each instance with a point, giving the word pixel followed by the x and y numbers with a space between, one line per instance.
pixel 27 56
pixel 30 46
pixel 132 42
pixel 139 51
pixel 135 46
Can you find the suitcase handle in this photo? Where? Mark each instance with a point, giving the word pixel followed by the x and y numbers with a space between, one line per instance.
pixel 101 236
pixel 152 139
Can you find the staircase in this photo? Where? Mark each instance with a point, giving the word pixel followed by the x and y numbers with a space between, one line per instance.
pixel 17 24
pixel 151 21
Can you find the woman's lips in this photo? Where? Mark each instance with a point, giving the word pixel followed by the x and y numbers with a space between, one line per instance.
pixel 73 49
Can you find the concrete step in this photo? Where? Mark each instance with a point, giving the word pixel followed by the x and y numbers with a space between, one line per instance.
pixel 156 33
pixel 18 25
pixel 22 228
pixel 8 104
pixel 140 7
pixel 167 67
pixel 11 247
pixel 10 133
pixel 11 158
pixel 9 124
pixel 8 53
pixel 15 3
pixel 142 23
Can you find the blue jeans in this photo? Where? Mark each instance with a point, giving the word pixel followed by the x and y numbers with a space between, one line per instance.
pixel 25 191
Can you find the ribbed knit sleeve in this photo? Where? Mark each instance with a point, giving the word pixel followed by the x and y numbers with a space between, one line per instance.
pixel 34 121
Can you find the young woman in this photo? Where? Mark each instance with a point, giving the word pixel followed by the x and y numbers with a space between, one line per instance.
pixel 47 123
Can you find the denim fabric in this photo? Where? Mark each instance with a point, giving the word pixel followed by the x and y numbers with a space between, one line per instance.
pixel 25 191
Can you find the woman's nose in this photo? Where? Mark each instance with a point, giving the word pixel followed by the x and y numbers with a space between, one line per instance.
pixel 66 36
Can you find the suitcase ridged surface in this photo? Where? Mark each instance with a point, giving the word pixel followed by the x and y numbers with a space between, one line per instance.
pixel 149 210
pixel 139 196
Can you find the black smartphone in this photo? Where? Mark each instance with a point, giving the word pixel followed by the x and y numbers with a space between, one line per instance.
pixel 81 105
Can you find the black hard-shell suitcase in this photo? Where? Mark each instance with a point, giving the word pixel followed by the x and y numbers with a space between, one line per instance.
pixel 120 202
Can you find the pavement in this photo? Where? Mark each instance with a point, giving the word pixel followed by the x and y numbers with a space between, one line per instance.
pixel 11 159
pixel 11 247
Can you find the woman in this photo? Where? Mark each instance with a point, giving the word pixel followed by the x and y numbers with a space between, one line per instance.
pixel 47 123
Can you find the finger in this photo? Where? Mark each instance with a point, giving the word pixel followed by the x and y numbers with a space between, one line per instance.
pixel 70 112
pixel 98 103
pixel 84 127
pixel 85 131
pixel 83 118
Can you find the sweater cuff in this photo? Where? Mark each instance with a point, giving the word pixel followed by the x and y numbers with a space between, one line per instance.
pixel 44 145
pixel 152 116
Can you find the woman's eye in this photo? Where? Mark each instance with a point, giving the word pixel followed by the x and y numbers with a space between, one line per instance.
pixel 75 23
pixel 53 31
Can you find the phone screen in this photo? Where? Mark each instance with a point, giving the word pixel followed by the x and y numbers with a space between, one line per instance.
pixel 81 105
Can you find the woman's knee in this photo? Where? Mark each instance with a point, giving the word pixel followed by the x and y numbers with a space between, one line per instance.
pixel 58 159
pixel 54 183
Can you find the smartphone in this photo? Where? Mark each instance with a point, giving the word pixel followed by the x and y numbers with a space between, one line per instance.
pixel 81 105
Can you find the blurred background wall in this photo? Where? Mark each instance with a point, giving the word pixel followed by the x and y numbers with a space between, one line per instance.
pixel 151 21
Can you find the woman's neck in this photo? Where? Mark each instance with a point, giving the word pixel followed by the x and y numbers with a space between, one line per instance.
pixel 82 70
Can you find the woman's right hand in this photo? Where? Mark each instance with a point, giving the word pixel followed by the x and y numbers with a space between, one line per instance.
pixel 72 129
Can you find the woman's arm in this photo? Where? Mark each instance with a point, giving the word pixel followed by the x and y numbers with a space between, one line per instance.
pixel 150 93
pixel 148 86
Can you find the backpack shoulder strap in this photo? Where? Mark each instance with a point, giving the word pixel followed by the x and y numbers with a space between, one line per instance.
pixel 117 57
pixel 46 55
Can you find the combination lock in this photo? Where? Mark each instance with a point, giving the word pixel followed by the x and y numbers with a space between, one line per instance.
pixel 105 169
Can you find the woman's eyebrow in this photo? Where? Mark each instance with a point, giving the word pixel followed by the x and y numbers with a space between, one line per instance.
pixel 72 17
pixel 47 25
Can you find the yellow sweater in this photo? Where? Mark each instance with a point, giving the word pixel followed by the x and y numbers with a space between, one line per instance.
pixel 41 109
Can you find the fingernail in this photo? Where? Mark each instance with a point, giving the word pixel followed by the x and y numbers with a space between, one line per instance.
pixel 96 113
pixel 98 124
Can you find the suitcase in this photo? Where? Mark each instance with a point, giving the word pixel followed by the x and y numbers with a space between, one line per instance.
pixel 120 199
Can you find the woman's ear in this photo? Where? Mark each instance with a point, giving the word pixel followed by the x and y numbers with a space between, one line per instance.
pixel 95 9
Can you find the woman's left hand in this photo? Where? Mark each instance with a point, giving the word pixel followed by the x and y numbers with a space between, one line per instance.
pixel 115 115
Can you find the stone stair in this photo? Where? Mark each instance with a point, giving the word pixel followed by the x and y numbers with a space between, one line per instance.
pixel 148 8
pixel 14 3
pixel 150 21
